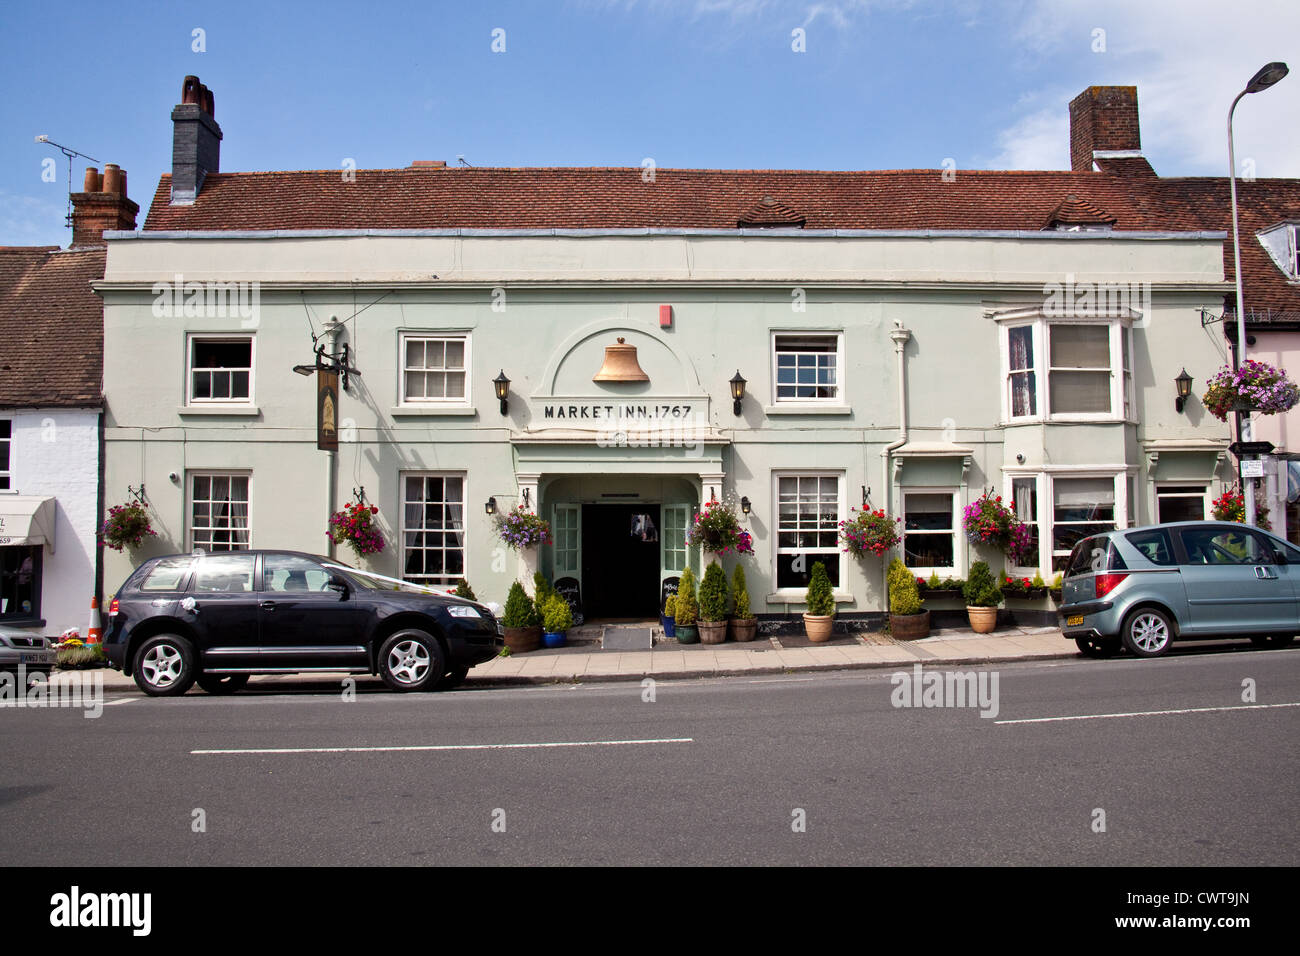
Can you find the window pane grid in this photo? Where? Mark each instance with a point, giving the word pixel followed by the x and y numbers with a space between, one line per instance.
pixel 219 519
pixel 433 369
pixel 807 368
pixel 807 528
pixel 433 532
pixel 220 370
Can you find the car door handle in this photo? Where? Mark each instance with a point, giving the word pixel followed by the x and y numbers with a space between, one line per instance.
pixel 1267 574
pixel 267 605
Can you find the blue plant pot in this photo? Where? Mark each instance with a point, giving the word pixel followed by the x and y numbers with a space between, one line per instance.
pixel 554 640
pixel 669 626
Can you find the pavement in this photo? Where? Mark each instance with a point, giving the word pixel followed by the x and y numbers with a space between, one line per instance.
pixel 787 654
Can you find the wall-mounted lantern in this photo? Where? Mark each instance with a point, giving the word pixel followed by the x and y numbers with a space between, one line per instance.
pixel 491 506
pixel 745 506
pixel 502 386
pixel 737 392
pixel 1184 385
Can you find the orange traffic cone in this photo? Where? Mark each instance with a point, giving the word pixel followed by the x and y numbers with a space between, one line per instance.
pixel 95 632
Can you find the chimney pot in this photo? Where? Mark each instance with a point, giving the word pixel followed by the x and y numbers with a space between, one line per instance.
pixel 112 179
pixel 429 163
pixel 92 180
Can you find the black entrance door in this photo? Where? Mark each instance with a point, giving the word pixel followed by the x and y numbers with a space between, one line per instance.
pixel 620 560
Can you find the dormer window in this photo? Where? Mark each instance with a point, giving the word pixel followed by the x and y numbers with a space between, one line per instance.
pixel 1079 215
pixel 1283 244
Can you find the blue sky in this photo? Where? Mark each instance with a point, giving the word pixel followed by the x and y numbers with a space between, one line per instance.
pixel 881 84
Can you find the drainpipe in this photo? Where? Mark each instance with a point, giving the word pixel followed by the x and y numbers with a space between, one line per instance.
pixel 901 337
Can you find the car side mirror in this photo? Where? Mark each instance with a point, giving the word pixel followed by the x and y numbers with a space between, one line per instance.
pixel 336 583
pixel 1279 556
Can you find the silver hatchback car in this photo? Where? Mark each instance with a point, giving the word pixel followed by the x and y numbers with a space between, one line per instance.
pixel 1143 588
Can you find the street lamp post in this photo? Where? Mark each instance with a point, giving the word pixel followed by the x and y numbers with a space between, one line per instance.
pixel 1266 77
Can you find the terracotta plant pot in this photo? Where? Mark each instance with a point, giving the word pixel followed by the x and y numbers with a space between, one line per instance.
pixel 687 634
pixel 744 629
pixel 712 632
pixel 521 640
pixel 818 626
pixel 982 619
pixel 909 627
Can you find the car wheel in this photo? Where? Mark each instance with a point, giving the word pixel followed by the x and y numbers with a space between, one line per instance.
pixel 221 684
pixel 164 666
pixel 411 660
pixel 1097 647
pixel 1147 632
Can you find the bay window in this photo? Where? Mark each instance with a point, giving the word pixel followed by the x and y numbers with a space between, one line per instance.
pixel 1085 365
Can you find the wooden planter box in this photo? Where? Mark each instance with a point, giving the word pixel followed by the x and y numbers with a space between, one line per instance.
pixel 909 627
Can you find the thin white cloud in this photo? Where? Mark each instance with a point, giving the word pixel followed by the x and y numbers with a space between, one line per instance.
pixel 33 221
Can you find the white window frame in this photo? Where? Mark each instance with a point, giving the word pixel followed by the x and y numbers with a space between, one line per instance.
pixel 565 570
pixel 1047 478
pixel 440 335
pixel 426 579
pixel 1206 498
pixel 192 337
pixel 190 475
pixel 840 398
pixel 7 476
pixel 958 536
pixel 1009 495
pixel 841 514
pixel 1121 378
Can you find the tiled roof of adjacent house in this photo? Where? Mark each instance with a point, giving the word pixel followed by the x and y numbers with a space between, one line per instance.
pixel 425 197
pixel 51 327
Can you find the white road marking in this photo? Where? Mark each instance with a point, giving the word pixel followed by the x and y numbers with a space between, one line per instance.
pixel 352 750
pixel 784 680
pixel 124 700
pixel 1145 713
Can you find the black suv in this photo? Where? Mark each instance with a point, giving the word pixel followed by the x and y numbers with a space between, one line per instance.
pixel 216 619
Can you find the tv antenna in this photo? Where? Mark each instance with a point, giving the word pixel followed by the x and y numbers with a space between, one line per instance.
pixel 69 152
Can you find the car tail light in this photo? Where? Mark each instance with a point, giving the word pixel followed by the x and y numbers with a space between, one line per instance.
pixel 1108 582
pixel 112 608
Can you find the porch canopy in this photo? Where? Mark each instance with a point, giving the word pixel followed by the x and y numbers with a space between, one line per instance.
pixel 26 520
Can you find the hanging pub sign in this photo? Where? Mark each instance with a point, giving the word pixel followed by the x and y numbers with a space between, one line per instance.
pixel 327 410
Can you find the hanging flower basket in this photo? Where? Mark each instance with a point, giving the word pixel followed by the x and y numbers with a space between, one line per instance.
pixel 1255 387
pixel 1231 506
pixel 519 529
pixel 355 526
pixel 126 526
pixel 717 530
pixel 869 532
pixel 988 521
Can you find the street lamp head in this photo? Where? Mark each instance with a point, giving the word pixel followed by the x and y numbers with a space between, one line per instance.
pixel 1267 76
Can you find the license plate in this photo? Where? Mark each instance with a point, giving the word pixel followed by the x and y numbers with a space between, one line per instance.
pixel 1074 621
pixel 31 658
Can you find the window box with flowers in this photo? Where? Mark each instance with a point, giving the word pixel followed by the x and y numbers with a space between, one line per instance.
pixel 126 526
pixel 1254 387
pixel 355 526
pixel 1026 588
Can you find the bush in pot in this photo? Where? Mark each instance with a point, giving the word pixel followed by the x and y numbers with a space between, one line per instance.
pixel 819 619
pixel 687 610
pixel 982 598
pixel 556 620
pixel 669 617
pixel 743 623
pixel 523 632
pixel 907 620
pixel 713 605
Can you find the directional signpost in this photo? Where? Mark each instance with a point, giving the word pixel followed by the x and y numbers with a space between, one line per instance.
pixel 1244 448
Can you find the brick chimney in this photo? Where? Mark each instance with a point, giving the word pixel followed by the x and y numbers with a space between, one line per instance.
pixel 1103 119
pixel 196 141
pixel 102 205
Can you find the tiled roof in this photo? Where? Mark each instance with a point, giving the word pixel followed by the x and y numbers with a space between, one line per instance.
pixel 1074 211
pixel 771 212
pixel 594 197
pixel 51 327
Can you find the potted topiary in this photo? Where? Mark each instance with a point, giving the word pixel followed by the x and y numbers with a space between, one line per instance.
pixel 522 632
pixel 907 620
pixel 982 598
pixel 713 605
pixel 557 618
pixel 686 610
pixel 668 618
pixel 819 619
pixel 743 623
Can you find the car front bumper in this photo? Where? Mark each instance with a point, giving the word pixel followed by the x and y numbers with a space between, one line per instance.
pixel 32 658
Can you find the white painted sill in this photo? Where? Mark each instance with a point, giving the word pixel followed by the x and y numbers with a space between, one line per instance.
pixel 247 411
pixel 792 409
pixel 434 411
pixel 800 597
